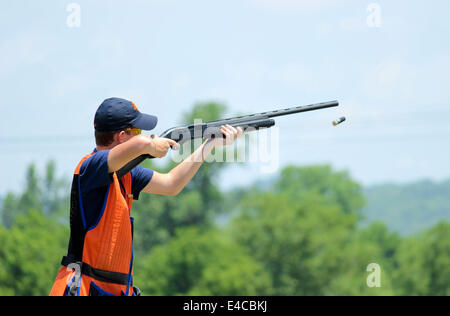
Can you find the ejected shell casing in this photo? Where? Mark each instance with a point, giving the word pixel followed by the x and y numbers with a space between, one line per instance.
pixel 339 121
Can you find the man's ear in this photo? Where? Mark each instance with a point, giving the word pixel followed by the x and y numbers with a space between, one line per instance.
pixel 120 137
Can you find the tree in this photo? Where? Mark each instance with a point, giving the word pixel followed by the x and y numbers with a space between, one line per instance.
pixel 371 245
pixel 336 187
pixel 30 254
pixel 424 263
pixel 48 195
pixel 201 263
pixel 297 227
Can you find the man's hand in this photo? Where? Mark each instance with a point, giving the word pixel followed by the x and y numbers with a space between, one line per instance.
pixel 159 146
pixel 138 145
pixel 231 134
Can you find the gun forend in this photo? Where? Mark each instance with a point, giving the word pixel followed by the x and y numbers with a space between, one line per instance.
pixel 247 126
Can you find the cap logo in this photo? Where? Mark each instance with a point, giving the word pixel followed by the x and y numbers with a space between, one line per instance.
pixel 134 106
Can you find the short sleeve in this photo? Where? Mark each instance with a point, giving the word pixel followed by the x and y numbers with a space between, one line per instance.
pixel 140 178
pixel 94 172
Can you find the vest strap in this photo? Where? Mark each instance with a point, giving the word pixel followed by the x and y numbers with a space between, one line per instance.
pixel 97 274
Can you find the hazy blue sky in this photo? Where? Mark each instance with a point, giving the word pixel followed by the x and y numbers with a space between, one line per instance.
pixel 392 81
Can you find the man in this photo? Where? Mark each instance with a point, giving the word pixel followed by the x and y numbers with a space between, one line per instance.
pixel 100 254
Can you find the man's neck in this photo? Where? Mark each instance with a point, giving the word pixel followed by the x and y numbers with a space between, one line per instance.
pixel 100 148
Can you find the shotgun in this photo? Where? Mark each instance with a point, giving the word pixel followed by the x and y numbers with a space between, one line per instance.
pixel 182 134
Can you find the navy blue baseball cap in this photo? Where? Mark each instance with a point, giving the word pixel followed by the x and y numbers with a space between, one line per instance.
pixel 116 114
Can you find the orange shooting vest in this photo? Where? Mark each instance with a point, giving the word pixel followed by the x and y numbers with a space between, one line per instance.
pixel 99 260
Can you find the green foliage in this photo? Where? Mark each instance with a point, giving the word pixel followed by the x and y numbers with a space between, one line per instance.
pixel 30 254
pixel 157 218
pixel 297 230
pixel 32 239
pixel 424 261
pixel 48 195
pixel 336 187
pixel 373 244
pixel 295 237
pixel 201 263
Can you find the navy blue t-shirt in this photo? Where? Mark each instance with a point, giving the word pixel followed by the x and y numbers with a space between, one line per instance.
pixel 95 180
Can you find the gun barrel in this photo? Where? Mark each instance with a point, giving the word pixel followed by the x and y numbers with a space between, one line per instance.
pixel 300 109
pixel 270 114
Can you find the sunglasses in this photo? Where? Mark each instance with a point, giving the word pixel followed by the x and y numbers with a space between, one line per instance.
pixel 133 130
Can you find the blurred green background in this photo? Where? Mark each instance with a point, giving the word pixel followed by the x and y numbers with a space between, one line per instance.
pixel 312 230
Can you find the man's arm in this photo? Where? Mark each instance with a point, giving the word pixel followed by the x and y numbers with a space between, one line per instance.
pixel 122 153
pixel 173 182
pixel 139 145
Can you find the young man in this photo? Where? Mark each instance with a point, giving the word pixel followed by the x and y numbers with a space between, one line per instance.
pixel 100 253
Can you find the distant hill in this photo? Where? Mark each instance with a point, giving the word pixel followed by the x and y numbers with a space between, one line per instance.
pixel 408 208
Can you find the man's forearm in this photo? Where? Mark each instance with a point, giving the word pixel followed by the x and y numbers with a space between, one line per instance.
pixel 185 171
pixel 127 151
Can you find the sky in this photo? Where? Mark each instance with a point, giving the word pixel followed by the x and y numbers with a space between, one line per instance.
pixel 387 62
